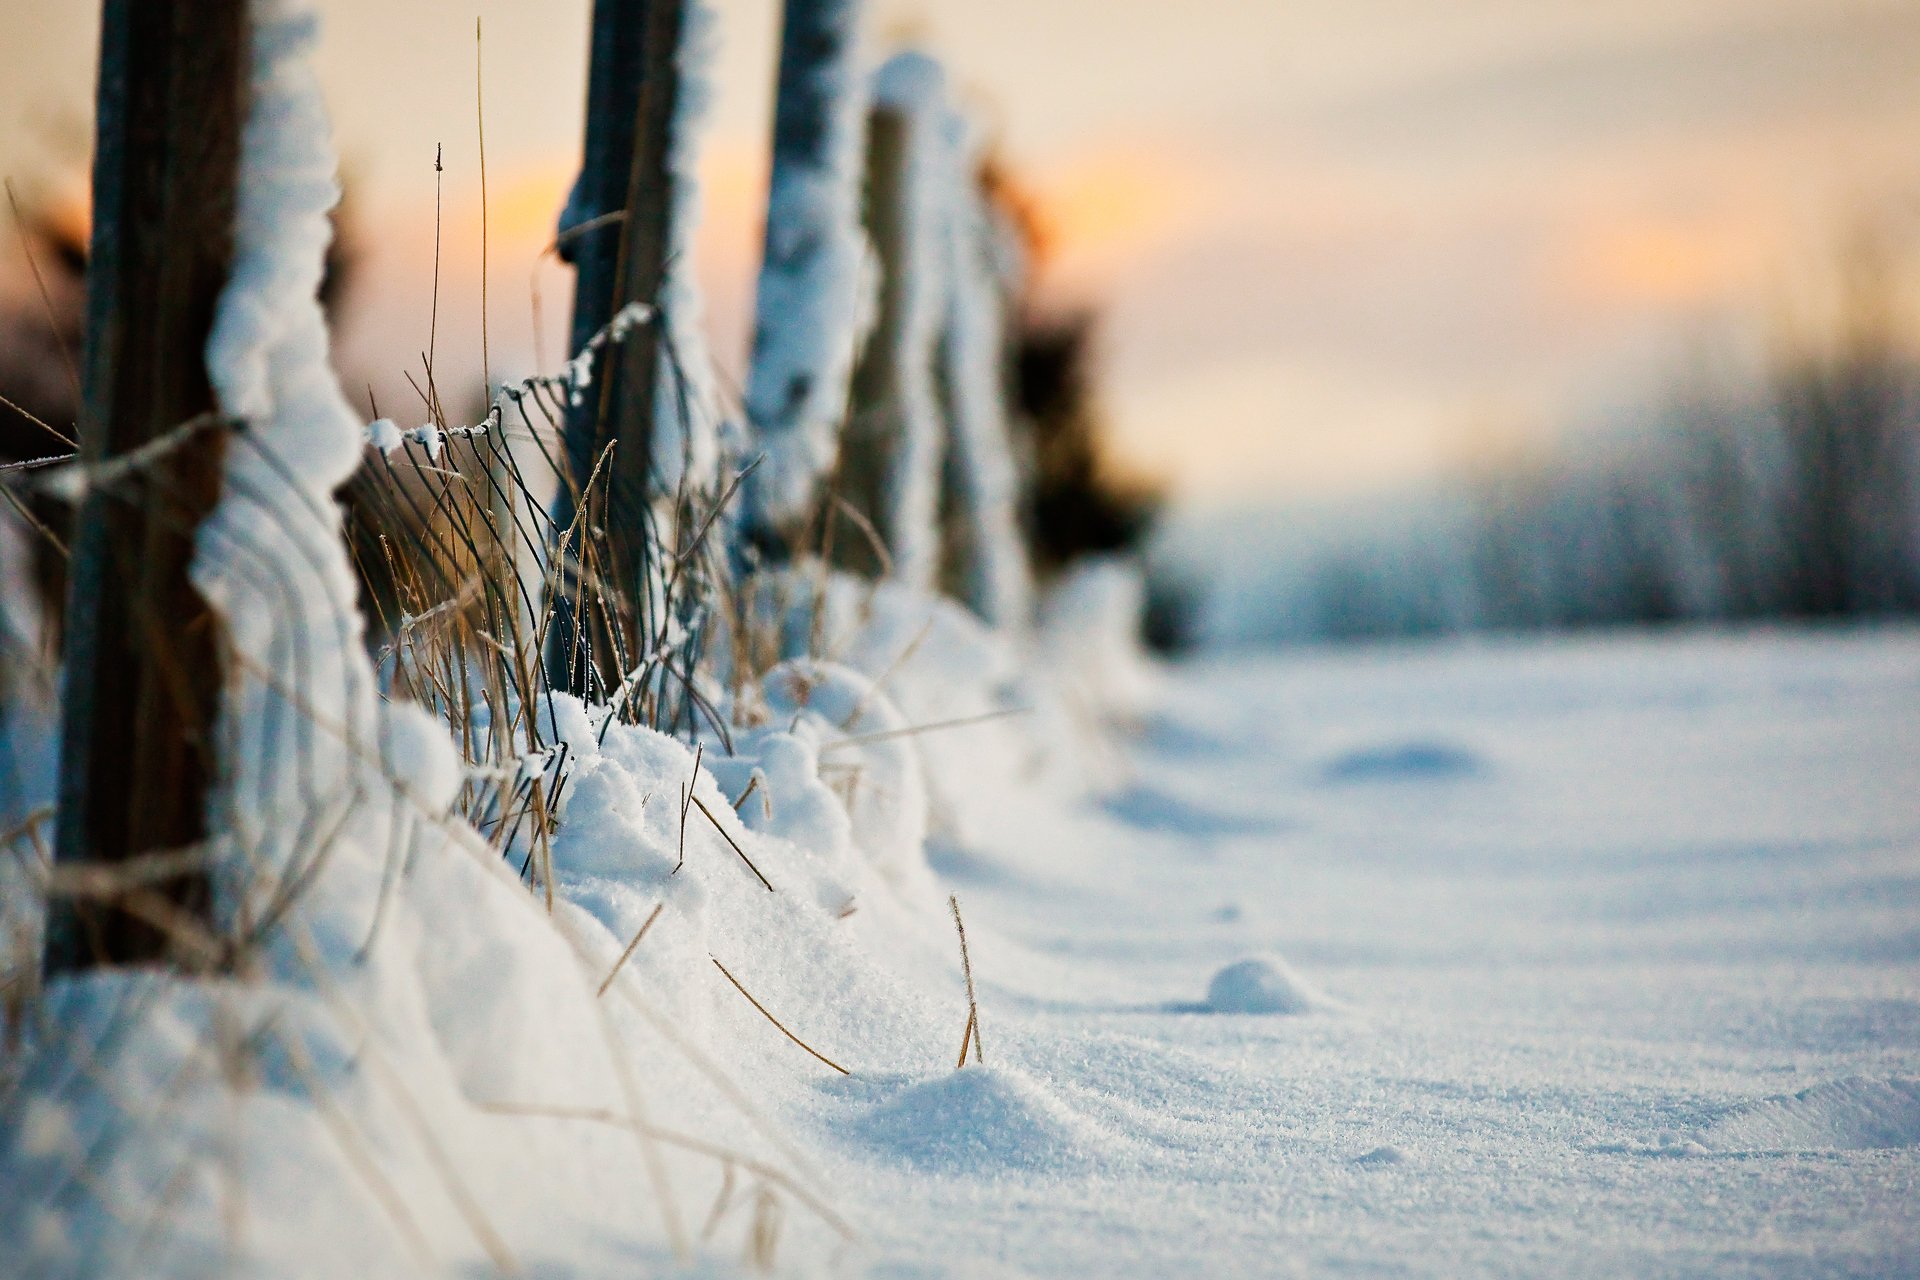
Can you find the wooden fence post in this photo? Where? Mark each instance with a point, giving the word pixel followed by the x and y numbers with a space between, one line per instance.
pixel 810 269
pixel 143 674
pixel 989 554
pixel 893 445
pixel 632 93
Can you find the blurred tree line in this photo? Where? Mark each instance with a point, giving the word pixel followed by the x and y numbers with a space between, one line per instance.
pixel 1792 495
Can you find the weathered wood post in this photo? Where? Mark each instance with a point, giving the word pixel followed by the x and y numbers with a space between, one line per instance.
pixel 988 559
pixel 894 441
pixel 805 310
pixel 617 232
pixel 142 675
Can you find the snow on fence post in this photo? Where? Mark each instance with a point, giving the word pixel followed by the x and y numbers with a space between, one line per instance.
pixel 806 311
pixel 142 676
pixel 617 229
pixel 891 450
pixel 994 576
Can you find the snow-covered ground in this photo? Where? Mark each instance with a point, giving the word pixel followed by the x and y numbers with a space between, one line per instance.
pixel 1597 956
pixel 1543 958
pixel 1610 950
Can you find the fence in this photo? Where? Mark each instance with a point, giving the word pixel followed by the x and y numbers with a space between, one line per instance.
pixel 610 532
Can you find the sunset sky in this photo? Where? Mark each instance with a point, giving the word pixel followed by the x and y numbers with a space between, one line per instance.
pixel 1338 246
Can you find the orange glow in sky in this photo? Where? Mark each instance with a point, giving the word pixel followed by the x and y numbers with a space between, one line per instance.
pixel 1327 240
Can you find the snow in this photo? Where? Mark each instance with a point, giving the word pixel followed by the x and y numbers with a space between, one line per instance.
pixel 1591 956
pixel 1851 1114
pixel 1089 623
pixel 385 435
pixel 270 557
pixel 1637 994
pixel 1260 984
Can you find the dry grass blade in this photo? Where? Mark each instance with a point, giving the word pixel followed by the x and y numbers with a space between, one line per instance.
pixel 700 804
pixel 357 1152
pixel 973 1006
pixel 686 799
pixel 45 426
pixel 46 299
pixel 631 948
pixel 686 1142
pixel 722 1201
pixel 878 683
pixel 775 1021
pixel 958 722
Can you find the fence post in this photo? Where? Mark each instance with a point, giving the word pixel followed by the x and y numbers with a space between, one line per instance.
pixel 632 92
pixel 810 271
pixel 990 560
pixel 891 451
pixel 143 674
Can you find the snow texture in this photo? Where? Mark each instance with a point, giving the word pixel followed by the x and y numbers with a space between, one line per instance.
pixel 1851 1114
pixel 815 278
pixel 1636 996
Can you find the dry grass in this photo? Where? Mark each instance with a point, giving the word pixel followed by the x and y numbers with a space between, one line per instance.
pixel 971 1035
pixel 459 564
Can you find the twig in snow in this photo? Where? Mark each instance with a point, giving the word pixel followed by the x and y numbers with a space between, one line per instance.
pixel 775 1021
pixel 721 1202
pixel 875 685
pixel 686 1142
pixel 631 948
pixel 686 798
pixel 701 806
pixel 972 1034
pixel 861 739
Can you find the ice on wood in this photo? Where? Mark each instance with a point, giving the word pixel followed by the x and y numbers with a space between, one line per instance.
pixel 813 276
pixel 997 581
pixel 912 89
pixel 690 430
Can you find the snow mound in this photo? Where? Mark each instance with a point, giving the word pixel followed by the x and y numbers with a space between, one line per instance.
pixel 981 1120
pixel 1381 1156
pixel 1261 984
pixel 1414 761
pixel 1850 1114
